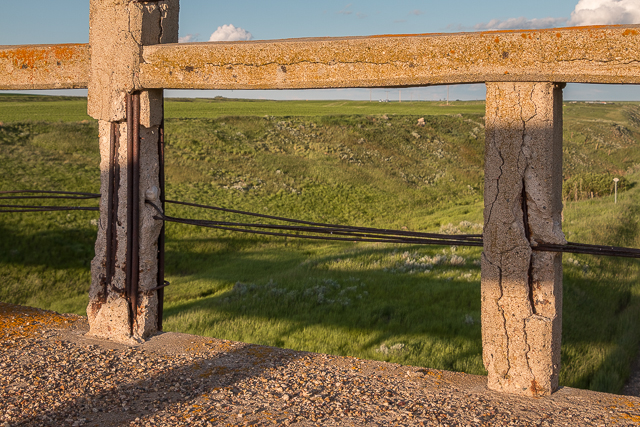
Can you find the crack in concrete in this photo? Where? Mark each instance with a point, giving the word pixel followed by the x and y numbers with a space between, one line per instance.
pixel 502 312
pixel 516 294
pixel 597 61
pixel 160 23
pixel 527 232
pixel 504 320
pixel 525 222
pixel 138 42
pixel 287 64
pixel 528 350
pixel 523 146
pixel 364 62
pixel 498 301
pixel 497 189
pixel 488 220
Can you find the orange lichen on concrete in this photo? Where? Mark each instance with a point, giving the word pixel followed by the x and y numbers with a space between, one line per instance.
pixel 65 52
pixel 17 322
pixel 64 66
pixel 398 61
pixel 24 57
pixel 625 410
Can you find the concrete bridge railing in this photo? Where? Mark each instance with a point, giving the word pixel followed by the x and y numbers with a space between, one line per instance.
pixel 133 54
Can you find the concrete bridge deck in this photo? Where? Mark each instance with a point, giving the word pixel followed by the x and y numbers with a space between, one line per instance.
pixel 51 374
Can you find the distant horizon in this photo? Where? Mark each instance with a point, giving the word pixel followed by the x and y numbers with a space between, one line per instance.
pixel 38 21
pixel 315 94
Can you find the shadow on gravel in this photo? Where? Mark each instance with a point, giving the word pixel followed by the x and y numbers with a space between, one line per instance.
pixel 192 386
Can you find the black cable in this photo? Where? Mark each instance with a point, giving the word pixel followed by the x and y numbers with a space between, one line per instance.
pixel 71 193
pixel 581 248
pixel 306 236
pixel 44 208
pixel 67 195
pixel 48 197
pixel 466 237
pixel 346 233
pixel 350 233
pixel 365 234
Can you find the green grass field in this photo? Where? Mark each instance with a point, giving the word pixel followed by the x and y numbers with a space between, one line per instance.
pixel 74 109
pixel 354 163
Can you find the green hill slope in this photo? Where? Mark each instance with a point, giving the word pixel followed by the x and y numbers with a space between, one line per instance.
pixel 350 163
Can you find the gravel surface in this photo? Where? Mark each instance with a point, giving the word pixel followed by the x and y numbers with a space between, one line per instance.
pixel 51 374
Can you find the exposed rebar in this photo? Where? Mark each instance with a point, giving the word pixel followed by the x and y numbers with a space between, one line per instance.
pixel 161 238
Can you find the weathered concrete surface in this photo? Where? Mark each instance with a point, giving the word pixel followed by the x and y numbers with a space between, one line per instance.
pixel 179 379
pixel 119 29
pixel 147 321
pixel 583 54
pixel 62 66
pixel 109 312
pixel 522 289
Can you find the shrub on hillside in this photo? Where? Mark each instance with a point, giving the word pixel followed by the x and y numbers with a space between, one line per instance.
pixel 590 185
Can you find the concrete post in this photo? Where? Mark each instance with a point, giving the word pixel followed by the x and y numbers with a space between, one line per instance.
pixel 522 289
pixel 123 305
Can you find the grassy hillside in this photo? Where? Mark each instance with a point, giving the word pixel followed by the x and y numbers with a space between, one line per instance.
pixel 354 163
pixel 15 107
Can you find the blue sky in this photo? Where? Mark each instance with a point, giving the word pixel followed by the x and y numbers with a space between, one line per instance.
pixel 67 21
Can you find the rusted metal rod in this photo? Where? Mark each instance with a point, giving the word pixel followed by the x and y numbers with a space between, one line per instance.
pixel 161 239
pixel 135 208
pixel 136 202
pixel 161 287
pixel 112 206
pixel 129 274
pixel 133 200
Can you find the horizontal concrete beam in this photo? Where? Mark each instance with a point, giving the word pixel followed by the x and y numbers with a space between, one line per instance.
pixel 573 55
pixel 63 66
pixel 583 55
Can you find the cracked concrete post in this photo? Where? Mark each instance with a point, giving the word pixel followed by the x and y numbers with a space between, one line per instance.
pixel 521 288
pixel 118 31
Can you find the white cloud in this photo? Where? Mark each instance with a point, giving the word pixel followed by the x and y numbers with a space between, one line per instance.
pixel 521 23
pixel 586 12
pixel 230 33
pixel 606 12
pixel 416 12
pixel 346 10
pixel 188 38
